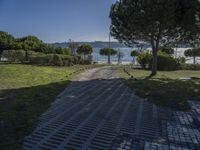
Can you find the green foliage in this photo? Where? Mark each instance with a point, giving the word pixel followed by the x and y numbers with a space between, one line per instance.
pixel 167 63
pixel 190 67
pixel 107 51
pixel 14 55
pixel 192 52
pixel 195 52
pixel 31 43
pixel 181 60
pixel 77 59
pixel 67 60
pixel 57 60
pixel 7 42
pixel 164 61
pixel 144 59
pixel 51 59
pixel 84 49
pixel 167 50
pixel 157 22
pixel 135 53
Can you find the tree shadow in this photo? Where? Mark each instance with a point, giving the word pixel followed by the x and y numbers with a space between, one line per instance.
pixel 20 108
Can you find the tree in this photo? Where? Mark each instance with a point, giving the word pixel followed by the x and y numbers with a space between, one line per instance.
pixel 144 59
pixel 167 50
pixel 195 52
pixel 31 43
pixel 120 55
pixel 85 50
pixel 134 54
pixel 7 42
pixel 108 52
pixel 155 21
pixel 73 46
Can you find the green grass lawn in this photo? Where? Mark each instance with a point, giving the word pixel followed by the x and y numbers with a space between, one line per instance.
pixel 166 88
pixel 25 93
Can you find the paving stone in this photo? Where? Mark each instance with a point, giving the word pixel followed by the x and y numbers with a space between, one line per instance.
pixel 97 111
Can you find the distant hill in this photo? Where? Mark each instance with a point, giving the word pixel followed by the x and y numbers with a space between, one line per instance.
pixel 102 44
pixel 96 44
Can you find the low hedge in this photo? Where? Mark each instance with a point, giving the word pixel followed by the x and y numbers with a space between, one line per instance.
pixel 190 67
pixel 14 56
pixel 51 60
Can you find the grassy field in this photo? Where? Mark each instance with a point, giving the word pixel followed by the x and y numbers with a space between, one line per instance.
pixel 171 89
pixel 25 93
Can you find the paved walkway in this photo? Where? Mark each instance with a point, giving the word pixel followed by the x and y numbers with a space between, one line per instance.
pixel 97 111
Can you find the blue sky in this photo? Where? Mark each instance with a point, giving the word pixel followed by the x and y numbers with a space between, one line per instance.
pixel 56 20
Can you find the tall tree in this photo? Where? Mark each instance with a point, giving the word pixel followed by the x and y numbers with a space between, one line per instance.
pixel 155 21
pixel 7 42
pixel 134 54
pixel 108 52
pixel 73 46
pixel 31 43
pixel 195 52
pixel 84 49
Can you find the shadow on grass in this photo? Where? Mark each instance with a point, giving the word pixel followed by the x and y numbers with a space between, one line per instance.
pixel 20 109
pixel 19 113
pixel 167 92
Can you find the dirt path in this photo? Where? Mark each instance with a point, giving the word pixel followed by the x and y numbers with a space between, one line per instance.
pixel 97 111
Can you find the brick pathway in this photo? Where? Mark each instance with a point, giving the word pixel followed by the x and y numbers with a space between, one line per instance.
pixel 97 111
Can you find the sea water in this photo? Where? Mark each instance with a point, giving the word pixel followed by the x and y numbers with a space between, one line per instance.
pixel 127 59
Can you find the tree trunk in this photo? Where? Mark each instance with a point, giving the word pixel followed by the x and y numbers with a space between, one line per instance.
pixel 1 52
pixel 84 58
pixel 194 60
pixel 26 55
pixel 108 59
pixel 155 45
pixel 154 62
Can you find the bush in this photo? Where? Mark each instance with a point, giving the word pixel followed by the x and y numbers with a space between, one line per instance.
pixel 67 60
pixel 77 59
pixel 14 55
pixel 164 61
pixel 57 60
pixel 144 59
pixel 51 59
pixel 41 60
pixel 190 67
pixel 167 62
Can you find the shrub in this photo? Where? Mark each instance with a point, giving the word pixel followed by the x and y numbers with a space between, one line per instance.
pixel 190 66
pixel 57 60
pixel 144 59
pixel 181 60
pixel 166 62
pixel 77 59
pixel 67 60
pixel 14 55
pixel 41 60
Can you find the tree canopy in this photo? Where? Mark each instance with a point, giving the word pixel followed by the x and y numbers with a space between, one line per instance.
pixel 108 52
pixel 7 42
pixel 195 52
pixel 84 49
pixel 134 53
pixel 155 21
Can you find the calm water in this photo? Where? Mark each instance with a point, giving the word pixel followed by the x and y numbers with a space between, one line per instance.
pixel 128 59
